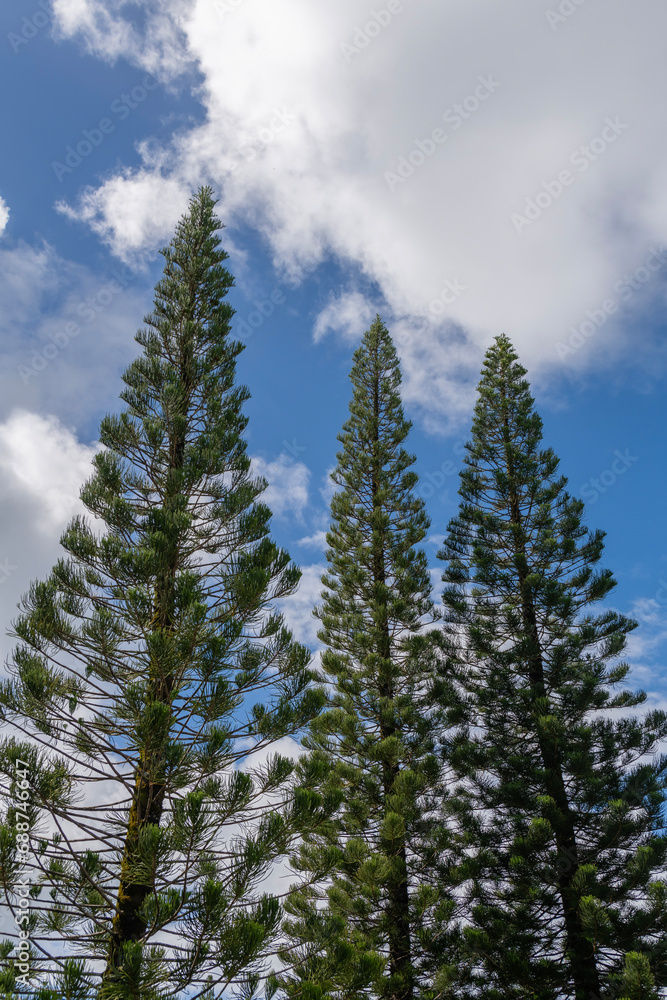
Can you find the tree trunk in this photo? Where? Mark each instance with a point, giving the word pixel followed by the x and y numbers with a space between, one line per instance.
pixel 580 952
pixel 148 798
pixel 398 910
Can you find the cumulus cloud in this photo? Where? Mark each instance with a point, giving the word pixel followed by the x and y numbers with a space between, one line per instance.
pixel 318 540
pixel 145 210
pixel 106 31
pixel 298 609
pixel 646 644
pixel 287 492
pixel 412 151
pixel 42 464
pixel 349 315
pixel 4 214
pixel 42 468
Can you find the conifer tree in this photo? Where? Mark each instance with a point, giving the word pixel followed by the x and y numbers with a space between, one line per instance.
pixel 372 915
pixel 151 678
pixel 561 788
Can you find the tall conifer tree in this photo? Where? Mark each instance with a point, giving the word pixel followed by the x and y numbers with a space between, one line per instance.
pixel 561 795
pixel 372 915
pixel 151 671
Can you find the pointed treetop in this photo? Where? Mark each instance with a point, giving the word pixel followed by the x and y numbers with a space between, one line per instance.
pixel 505 401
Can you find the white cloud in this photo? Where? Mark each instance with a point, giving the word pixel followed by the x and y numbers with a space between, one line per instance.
pixel 348 314
pixel 43 465
pixel 300 134
pixel 4 214
pixel 287 492
pixel 646 645
pixel 104 32
pixel 318 540
pixel 146 210
pixel 42 468
pixel 298 609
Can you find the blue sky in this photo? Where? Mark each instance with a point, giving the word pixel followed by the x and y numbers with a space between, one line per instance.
pixel 462 170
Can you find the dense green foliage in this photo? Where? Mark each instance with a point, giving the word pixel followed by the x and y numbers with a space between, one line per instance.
pixel 560 794
pixel 478 811
pixel 372 914
pixel 152 676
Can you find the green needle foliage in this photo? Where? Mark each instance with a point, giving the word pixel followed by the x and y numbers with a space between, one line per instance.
pixel 371 914
pixel 151 678
pixel 561 791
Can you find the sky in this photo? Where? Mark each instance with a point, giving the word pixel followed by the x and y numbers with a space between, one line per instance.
pixel 462 169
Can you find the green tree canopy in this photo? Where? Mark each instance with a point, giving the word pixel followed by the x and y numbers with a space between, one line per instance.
pixel 152 677
pixel 561 789
pixel 372 915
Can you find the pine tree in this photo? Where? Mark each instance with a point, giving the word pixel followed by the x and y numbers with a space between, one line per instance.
pixel 560 793
pixel 372 914
pixel 151 679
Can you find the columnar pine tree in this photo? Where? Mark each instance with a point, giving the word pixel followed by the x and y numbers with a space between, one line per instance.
pixel 151 674
pixel 560 792
pixel 372 914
